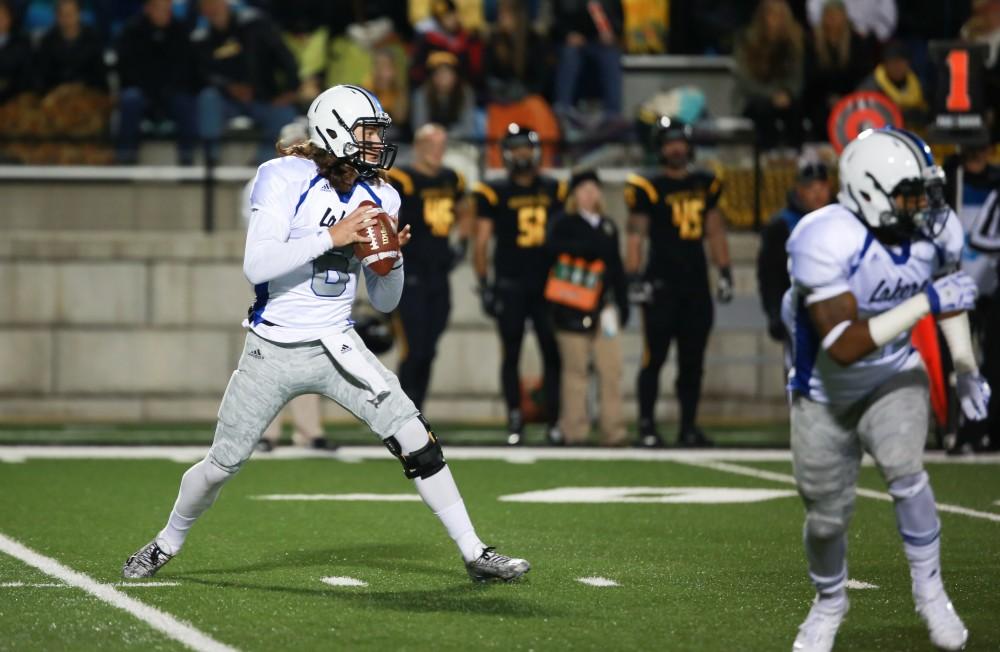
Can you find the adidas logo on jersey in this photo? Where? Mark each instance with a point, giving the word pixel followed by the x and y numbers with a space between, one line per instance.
pixel 256 354
pixel 326 187
pixel 345 349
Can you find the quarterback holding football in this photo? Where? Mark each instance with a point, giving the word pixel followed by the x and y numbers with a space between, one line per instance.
pixel 320 217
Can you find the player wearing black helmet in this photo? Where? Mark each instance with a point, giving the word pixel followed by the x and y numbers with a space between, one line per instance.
pixel 676 210
pixel 515 213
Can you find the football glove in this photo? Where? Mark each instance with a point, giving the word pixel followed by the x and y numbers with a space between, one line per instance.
pixel 973 395
pixel 724 289
pixel 488 299
pixel 639 291
pixel 952 293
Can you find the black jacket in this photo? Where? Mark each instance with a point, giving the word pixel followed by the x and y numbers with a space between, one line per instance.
pixel 250 51
pixel 58 61
pixel 573 235
pixel 15 59
pixel 772 263
pixel 159 61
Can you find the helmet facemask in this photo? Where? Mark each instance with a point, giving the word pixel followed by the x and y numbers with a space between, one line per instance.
pixel 917 206
pixel 517 140
pixel 366 155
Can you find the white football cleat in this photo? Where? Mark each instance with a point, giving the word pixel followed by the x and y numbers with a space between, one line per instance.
pixel 947 630
pixel 818 631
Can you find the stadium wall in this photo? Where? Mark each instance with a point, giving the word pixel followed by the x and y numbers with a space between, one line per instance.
pixel 133 315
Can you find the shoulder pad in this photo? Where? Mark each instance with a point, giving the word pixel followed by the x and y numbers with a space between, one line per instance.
pixel 645 185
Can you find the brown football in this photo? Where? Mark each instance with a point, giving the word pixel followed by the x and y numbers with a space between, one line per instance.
pixel 382 253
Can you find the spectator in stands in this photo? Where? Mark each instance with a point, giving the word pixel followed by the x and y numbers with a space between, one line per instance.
pixel 517 69
pixel 515 58
pixel 247 70
pixel 389 84
pixel 837 60
pixel 811 191
pixel 303 27
pixel 896 80
pixel 445 32
pixel 646 24
pixel 984 27
pixel 446 98
pixel 70 53
pixel 769 74
pixel 587 273
pixel 588 33
pixel 707 27
pixel 157 73
pixel 871 18
pixel 15 57
pixel 979 178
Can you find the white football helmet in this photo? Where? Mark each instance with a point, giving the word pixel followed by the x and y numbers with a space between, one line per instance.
pixel 333 117
pixel 882 164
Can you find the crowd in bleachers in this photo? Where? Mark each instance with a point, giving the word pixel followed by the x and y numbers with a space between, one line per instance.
pixel 96 68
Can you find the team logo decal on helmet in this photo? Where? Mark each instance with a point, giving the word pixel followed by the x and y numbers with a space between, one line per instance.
pixel 334 116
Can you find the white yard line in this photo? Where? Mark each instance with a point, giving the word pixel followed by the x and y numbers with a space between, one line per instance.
pixel 385 498
pixel 597 581
pixel 159 620
pixel 60 585
pixel 785 478
pixel 525 455
pixel 859 585
pixel 343 581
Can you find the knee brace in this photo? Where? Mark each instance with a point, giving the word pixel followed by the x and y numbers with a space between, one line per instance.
pixel 417 449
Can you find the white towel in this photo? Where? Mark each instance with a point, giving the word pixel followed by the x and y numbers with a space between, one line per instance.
pixel 347 356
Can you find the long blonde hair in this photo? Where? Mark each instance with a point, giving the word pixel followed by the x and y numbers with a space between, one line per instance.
pixel 833 54
pixel 768 57
pixel 338 171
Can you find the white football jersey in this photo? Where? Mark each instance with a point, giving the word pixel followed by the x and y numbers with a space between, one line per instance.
pixel 304 288
pixel 831 252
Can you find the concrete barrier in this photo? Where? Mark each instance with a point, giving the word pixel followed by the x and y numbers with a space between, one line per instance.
pixel 130 326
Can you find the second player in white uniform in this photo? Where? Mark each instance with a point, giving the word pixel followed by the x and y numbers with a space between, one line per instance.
pixel 305 217
pixel 864 271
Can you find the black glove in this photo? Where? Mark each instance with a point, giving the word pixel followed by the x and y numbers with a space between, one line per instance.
pixel 776 330
pixel 639 290
pixel 488 299
pixel 724 290
pixel 457 251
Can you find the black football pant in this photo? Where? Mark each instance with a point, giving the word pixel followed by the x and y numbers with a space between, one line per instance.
pixel 985 321
pixel 687 319
pixel 517 305
pixel 422 317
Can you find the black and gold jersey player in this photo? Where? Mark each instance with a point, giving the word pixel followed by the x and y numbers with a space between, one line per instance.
pixel 677 210
pixel 516 214
pixel 434 206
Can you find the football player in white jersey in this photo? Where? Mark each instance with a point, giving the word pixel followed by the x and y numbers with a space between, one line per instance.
pixel 305 219
pixel 864 271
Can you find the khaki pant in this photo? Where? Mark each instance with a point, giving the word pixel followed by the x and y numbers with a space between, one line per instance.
pixel 576 350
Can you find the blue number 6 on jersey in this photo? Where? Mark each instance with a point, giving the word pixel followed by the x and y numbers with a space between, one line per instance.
pixel 330 275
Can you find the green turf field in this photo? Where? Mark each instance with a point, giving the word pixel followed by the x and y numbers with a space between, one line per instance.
pixel 699 576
